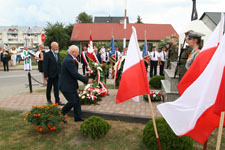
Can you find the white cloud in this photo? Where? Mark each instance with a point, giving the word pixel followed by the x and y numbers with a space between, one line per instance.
pixel 39 12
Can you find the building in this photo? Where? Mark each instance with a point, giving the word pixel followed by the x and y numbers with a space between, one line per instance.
pixel 211 19
pixel 102 32
pixel 110 19
pixel 21 36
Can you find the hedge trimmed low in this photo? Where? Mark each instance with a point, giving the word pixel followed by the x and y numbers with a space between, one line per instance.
pixel 155 81
pixel 168 140
pixel 95 127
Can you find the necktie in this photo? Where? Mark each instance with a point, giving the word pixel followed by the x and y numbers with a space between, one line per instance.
pixel 164 55
pixel 154 54
pixel 56 57
pixel 116 56
pixel 106 56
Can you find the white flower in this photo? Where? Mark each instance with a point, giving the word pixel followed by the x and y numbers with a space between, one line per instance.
pixel 79 95
pixel 83 97
pixel 96 64
pixel 84 92
pixel 154 95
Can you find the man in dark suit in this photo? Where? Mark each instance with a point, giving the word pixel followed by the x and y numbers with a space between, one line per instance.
pixel 5 59
pixel 51 67
pixel 68 83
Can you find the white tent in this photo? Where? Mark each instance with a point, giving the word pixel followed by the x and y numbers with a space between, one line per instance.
pixel 197 26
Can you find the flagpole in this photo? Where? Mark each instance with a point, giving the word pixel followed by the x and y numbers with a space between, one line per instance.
pixel 154 123
pixel 205 145
pixel 150 104
pixel 220 131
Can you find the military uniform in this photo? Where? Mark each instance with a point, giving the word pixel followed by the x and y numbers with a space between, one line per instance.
pixel 191 57
pixel 173 53
pixel 181 66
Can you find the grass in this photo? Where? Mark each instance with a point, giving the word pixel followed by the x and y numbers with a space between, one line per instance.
pixel 15 134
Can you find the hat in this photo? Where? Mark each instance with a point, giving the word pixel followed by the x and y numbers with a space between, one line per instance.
pixel 196 35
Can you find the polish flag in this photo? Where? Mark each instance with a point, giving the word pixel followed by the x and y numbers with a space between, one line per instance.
pixel 203 58
pixel 134 81
pixel 197 112
pixel 90 51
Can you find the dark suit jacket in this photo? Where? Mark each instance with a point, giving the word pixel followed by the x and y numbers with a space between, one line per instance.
pixel 50 66
pixel 69 75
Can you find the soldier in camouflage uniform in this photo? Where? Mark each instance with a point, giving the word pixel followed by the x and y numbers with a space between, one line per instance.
pixel 194 41
pixel 174 49
pixel 181 70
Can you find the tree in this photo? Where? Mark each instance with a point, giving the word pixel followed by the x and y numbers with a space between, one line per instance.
pixel 59 33
pixel 84 18
pixel 139 19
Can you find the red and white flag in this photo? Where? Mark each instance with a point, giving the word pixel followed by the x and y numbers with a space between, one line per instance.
pixel 134 81
pixel 203 58
pixel 90 51
pixel 197 112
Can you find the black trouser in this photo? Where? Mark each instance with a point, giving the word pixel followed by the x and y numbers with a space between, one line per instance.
pixel 6 65
pixel 146 66
pixel 54 82
pixel 153 67
pixel 107 73
pixel 73 102
pixel 84 68
pixel 161 68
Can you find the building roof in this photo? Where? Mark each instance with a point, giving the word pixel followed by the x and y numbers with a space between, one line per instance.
pixel 24 29
pixel 109 19
pixel 213 16
pixel 104 31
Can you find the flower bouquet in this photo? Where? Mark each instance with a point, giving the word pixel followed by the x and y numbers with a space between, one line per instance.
pixel 45 118
pixel 90 95
pixel 155 96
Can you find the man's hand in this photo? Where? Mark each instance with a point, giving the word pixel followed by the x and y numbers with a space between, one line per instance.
pixel 90 80
pixel 46 79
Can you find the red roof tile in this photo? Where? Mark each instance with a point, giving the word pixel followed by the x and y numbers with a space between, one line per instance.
pixel 104 31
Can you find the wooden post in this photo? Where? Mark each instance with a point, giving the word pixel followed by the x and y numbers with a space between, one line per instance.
pixel 220 131
pixel 205 145
pixel 154 123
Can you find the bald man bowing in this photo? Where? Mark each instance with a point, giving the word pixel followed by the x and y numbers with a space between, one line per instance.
pixel 68 83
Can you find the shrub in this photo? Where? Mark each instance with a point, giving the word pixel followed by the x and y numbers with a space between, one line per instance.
pixel 63 54
pixel 94 127
pixel 46 117
pixel 168 140
pixel 155 81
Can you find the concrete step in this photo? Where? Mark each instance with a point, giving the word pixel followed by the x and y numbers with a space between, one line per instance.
pixel 167 92
pixel 173 65
pixel 169 75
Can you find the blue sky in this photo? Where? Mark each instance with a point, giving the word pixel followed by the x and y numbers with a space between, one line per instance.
pixel 39 12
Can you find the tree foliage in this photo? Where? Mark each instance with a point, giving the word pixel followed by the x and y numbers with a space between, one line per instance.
pixel 60 33
pixel 139 19
pixel 84 18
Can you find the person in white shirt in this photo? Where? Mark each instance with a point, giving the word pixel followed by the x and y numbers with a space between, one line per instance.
pixel 13 55
pixel 153 61
pixel 118 54
pixel 105 60
pixel 162 59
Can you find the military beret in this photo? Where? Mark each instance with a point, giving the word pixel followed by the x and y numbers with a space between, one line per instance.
pixel 195 35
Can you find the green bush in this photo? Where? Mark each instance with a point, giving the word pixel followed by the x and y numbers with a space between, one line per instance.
pixel 95 127
pixel 168 140
pixel 63 54
pixel 155 81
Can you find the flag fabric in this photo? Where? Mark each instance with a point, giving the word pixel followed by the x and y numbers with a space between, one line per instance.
pixel 145 53
pixel 134 81
pixel 196 113
pixel 112 51
pixel 90 51
pixel 203 58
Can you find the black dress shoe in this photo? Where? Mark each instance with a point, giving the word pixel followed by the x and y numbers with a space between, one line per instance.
pixel 79 119
pixel 49 101
pixel 61 104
